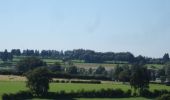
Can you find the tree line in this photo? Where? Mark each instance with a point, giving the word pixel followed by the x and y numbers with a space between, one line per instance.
pixel 88 56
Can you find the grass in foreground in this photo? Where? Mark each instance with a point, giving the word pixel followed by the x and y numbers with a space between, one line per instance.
pixel 16 86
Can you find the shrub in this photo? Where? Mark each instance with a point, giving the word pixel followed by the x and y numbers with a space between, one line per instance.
pixel 62 81
pixel 128 92
pixel 146 93
pixel 155 93
pixel 5 97
pixel 18 96
pixel 164 97
pixel 88 82
pixel 103 93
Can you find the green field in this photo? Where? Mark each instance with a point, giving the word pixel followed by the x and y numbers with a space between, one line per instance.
pixel 15 86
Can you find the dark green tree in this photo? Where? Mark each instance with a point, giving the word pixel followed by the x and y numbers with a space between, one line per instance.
pixel 139 79
pixel 29 63
pixel 72 70
pixel 38 81
pixel 16 52
pixel 124 76
pixel 118 69
pixel 165 57
pixel 56 67
pixel 4 55
pixel 167 72
pixel 100 70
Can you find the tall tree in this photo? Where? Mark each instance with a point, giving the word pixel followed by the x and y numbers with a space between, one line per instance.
pixel 118 69
pixel 167 72
pixel 38 81
pixel 139 79
pixel 100 70
pixel 6 56
pixel 72 70
pixel 16 52
pixel 165 57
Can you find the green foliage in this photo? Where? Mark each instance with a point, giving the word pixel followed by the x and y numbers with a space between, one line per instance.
pixel 153 94
pixel 38 81
pixel 22 95
pixel 103 93
pixel 139 79
pixel 165 57
pixel 117 71
pixel 124 76
pixel 164 97
pixel 161 72
pixel 100 70
pixel 16 52
pixel 29 63
pixel 56 67
pixel 86 82
pixel 6 56
pixel 163 79
pixel 167 73
pixel 72 70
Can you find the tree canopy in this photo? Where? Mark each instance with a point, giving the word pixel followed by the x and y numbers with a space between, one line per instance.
pixel 38 81
pixel 139 79
pixel 29 63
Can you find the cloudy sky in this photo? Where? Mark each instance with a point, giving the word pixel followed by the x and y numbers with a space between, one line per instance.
pixel 138 26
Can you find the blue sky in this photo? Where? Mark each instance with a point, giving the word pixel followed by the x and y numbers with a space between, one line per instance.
pixel 137 26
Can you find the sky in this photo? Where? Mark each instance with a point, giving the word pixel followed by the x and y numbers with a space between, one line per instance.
pixel 141 27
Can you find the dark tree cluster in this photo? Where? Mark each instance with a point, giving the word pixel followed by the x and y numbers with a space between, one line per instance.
pixel 92 56
pixel 29 63
pixel 16 52
pixel 6 56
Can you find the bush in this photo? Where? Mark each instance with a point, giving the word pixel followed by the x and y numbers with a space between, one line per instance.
pixel 78 81
pixel 62 81
pixel 155 93
pixel 167 83
pixel 164 97
pixel 87 82
pixel 18 96
pixel 85 77
pixel 5 97
pixel 146 93
pixel 128 92
pixel 103 93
